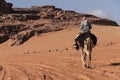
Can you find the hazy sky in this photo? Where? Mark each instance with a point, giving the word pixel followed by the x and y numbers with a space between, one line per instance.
pixel 102 8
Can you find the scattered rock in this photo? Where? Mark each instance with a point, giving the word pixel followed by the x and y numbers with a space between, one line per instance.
pixel 49 50
pixel 0 67
pixel 111 42
pixel 56 50
pixel 66 49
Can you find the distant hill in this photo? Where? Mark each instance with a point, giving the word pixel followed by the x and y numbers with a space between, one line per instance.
pixel 57 14
pixel 20 24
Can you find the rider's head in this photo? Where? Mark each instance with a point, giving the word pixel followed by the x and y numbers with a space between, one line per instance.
pixel 84 18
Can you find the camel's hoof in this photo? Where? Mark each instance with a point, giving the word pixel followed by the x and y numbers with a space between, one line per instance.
pixel 89 67
pixel 85 66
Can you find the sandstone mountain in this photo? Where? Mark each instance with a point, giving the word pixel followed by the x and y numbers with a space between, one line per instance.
pixel 5 7
pixel 20 24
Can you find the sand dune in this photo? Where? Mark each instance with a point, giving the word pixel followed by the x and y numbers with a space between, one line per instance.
pixel 50 56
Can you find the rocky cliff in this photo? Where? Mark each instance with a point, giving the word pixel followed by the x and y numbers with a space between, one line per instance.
pixel 22 23
pixel 5 7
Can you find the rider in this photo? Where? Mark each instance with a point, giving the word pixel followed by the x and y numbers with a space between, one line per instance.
pixel 85 27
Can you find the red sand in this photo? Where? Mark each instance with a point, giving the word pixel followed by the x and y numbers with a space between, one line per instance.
pixel 50 56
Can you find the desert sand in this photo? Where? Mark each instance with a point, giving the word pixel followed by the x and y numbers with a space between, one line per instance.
pixel 51 56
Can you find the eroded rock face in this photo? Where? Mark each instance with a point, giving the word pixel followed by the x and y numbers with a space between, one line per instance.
pixel 20 33
pixel 24 23
pixel 21 37
pixel 5 7
pixel 3 38
pixel 104 22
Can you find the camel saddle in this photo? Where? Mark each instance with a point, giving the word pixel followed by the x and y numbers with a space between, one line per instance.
pixel 83 36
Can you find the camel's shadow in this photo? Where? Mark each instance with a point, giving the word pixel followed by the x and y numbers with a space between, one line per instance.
pixel 110 65
pixel 115 64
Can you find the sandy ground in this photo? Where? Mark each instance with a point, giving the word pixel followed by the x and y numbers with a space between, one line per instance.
pixel 50 56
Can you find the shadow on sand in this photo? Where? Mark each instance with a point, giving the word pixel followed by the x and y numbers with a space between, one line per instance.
pixel 115 64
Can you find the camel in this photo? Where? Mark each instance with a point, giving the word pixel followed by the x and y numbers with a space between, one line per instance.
pixel 86 49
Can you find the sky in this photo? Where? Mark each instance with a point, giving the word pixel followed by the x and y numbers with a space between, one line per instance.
pixel 101 8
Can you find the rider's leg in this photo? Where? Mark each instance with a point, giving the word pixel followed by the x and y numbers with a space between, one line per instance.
pixel 76 40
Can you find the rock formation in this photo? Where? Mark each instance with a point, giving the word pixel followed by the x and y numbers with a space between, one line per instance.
pixel 5 7
pixel 20 24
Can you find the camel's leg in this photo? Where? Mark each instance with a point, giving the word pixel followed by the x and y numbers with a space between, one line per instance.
pixel 90 54
pixel 88 50
pixel 83 58
pixel 89 57
pixel 89 60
